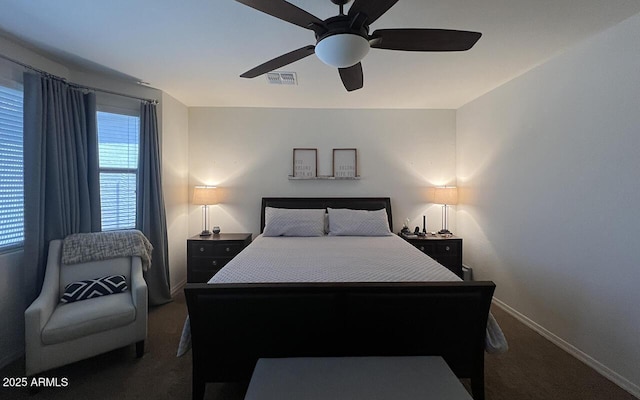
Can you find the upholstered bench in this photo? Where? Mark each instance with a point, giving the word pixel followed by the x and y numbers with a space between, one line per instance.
pixel 354 378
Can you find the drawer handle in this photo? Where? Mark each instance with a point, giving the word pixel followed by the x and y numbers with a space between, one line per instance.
pixel 227 249
pixel 201 249
pixel 214 262
pixel 447 248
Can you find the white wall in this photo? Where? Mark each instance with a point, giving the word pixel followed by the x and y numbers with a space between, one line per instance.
pixel 175 178
pixel 247 153
pixel 549 167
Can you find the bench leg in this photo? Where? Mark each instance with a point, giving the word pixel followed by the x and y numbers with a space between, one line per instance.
pixel 140 348
pixel 198 389
pixel 477 388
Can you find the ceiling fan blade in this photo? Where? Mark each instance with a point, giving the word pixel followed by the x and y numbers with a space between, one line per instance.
pixel 372 8
pixel 285 11
pixel 352 77
pixel 280 61
pixel 423 39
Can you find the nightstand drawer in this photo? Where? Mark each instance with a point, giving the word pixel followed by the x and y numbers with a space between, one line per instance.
pixel 445 250
pixel 203 249
pixel 450 248
pixel 206 255
pixel 453 263
pixel 209 263
pixel 427 248
pixel 200 276
pixel 201 269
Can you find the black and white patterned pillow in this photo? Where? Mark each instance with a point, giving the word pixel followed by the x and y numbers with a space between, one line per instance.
pixel 83 290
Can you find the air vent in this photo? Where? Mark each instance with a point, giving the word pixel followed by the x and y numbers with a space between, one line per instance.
pixel 282 78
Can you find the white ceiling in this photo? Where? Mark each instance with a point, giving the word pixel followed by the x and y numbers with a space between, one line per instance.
pixel 195 50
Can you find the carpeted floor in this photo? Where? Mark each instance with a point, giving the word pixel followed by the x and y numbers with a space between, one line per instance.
pixel 532 369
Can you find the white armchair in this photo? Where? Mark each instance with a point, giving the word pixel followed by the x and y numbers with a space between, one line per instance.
pixel 61 333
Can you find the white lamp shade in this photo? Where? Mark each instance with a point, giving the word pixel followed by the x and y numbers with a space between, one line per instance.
pixel 342 50
pixel 204 195
pixel 446 195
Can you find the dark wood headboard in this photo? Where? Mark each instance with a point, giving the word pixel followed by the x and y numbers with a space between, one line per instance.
pixel 355 203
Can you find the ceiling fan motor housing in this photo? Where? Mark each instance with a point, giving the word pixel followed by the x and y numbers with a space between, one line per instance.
pixel 342 41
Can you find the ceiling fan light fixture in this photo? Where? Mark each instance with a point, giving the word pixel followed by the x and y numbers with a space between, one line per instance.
pixel 343 40
pixel 342 50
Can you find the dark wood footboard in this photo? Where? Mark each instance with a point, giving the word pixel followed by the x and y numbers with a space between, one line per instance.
pixel 233 325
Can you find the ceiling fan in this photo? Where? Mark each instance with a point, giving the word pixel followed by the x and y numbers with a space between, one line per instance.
pixel 342 41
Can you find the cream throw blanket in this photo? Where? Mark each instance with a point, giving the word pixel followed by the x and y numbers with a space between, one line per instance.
pixel 84 247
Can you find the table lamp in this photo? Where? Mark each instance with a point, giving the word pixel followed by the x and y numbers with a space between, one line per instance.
pixel 445 196
pixel 205 196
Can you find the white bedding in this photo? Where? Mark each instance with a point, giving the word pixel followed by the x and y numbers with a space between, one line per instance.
pixel 331 259
pixel 336 259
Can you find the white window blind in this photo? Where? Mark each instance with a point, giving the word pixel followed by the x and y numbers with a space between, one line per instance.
pixel 11 167
pixel 118 139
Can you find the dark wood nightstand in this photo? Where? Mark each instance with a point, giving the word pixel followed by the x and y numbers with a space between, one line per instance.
pixel 445 250
pixel 207 254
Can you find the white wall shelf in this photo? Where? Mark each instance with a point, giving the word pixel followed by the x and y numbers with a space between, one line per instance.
pixel 322 178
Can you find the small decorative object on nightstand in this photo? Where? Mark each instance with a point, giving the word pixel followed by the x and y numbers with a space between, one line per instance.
pixel 206 255
pixel 445 250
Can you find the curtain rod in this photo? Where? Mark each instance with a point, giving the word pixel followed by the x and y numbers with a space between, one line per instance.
pixel 75 85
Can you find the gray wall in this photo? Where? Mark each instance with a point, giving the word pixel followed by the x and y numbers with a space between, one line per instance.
pixel 175 179
pixel 549 169
pixel 247 154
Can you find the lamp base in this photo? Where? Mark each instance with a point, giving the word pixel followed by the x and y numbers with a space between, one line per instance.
pixel 205 233
pixel 444 232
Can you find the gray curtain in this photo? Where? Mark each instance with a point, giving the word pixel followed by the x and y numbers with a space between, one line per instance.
pixel 150 214
pixel 62 186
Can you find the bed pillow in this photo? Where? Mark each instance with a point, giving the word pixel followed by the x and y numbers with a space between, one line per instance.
pixel 293 222
pixel 347 222
pixel 83 290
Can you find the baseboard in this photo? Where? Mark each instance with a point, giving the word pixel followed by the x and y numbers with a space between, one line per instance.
pixel 178 287
pixel 603 370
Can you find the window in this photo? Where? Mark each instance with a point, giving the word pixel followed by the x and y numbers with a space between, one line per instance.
pixel 118 138
pixel 11 171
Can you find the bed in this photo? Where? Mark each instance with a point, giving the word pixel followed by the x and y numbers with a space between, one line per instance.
pixel 281 297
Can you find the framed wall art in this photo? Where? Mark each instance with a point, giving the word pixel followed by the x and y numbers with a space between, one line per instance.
pixel 305 163
pixel 345 163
